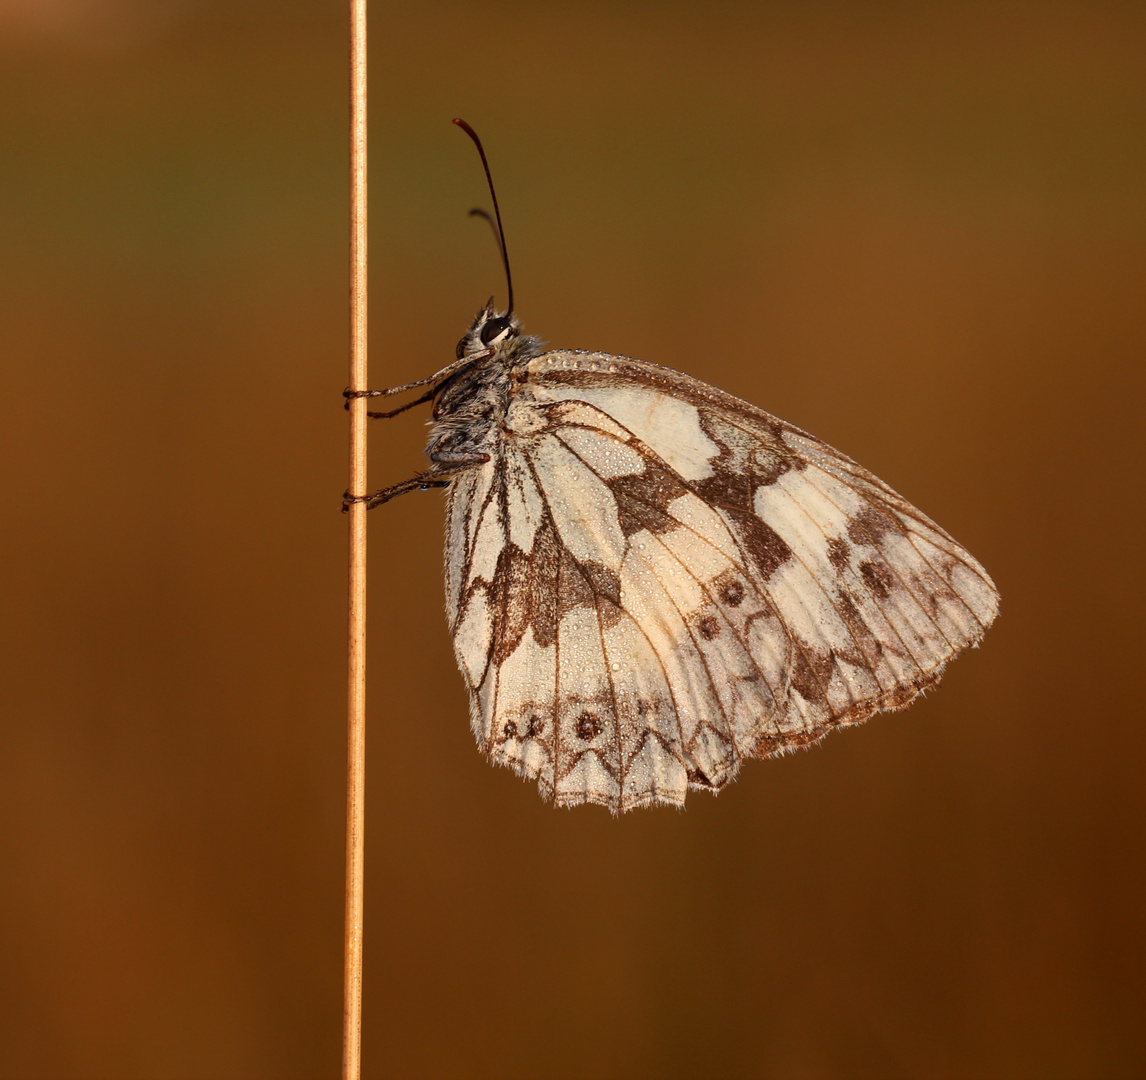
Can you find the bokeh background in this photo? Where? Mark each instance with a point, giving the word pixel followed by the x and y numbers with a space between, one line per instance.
pixel 916 229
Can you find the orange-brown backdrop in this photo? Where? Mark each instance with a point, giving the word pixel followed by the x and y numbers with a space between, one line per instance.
pixel 916 229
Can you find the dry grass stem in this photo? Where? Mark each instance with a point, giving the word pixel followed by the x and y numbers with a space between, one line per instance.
pixel 356 657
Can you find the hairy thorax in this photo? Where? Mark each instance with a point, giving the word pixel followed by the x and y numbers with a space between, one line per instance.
pixel 473 405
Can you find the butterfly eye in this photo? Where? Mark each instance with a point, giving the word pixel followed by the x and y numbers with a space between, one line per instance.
pixel 493 330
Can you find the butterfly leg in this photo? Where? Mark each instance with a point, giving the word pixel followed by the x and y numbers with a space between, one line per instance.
pixel 434 382
pixel 427 396
pixel 454 464
pixel 377 498
pixel 389 391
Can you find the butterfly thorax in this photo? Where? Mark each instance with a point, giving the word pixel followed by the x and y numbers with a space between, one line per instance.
pixel 474 399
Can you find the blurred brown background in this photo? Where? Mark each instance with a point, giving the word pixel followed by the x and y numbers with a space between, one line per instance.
pixel 916 229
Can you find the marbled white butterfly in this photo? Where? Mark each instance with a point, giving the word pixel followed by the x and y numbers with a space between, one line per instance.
pixel 649 581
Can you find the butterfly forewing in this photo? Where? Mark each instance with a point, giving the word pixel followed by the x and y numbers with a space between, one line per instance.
pixel 650 581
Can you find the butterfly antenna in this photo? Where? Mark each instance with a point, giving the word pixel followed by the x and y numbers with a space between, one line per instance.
pixel 497 211
pixel 485 215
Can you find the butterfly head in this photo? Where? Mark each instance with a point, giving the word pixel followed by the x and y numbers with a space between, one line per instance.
pixel 499 331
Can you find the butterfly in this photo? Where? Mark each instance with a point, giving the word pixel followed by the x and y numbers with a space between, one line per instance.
pixel 649 581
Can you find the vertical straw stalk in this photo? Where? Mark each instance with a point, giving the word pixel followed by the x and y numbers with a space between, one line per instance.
pixel 356 653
